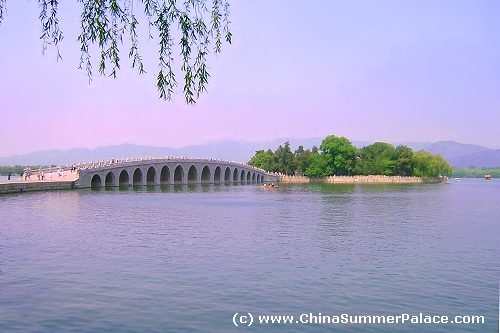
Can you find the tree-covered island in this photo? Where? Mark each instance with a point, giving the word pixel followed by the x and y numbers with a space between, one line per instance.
pixel 338 156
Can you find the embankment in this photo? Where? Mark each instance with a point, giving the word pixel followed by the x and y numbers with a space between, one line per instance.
pixel 17 186
pixel 358 179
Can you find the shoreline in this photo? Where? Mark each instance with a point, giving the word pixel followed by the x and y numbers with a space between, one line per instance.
pixel 69 181
pixel 373 179
pixel 35 186
pixel 18 185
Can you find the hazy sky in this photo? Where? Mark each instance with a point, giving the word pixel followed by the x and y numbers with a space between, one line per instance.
pixel 369 70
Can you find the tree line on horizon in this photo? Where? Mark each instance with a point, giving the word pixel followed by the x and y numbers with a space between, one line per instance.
pixel 473 172
pixel 338 156
pixel 17 169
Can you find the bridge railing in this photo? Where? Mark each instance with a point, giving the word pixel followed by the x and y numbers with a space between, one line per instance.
pixel 99 165
pixel 53 169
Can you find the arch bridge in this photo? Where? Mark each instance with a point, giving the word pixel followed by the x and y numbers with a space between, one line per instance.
pixel 168 170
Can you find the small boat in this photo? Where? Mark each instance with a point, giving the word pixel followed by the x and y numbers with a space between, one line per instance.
pixel 487 177
pixel 272 186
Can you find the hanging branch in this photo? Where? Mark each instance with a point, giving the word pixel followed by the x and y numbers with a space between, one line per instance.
pixel 2 9
pixel 104 23
pixel 51 34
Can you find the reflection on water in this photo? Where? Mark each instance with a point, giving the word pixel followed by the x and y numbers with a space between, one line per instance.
pixel 1 263
pixel 185 258
pixel 167 188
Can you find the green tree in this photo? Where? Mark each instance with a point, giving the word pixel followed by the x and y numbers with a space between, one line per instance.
pixel 379 158
pixel 445 168
pixel 106 23
pixel 473 172
pixel 403 163
pixel 340 153
pixel 426 165
pixel 302 159
pixel 284 159
pixel 17 169
pixel 264 160
pixel 318 167
pixel 259 160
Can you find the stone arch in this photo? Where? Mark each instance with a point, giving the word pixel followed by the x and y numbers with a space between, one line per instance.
pixel 235 175
pixel 95 182
pixel 178 174
pixel 110 179
pixel 259 179
pixel 137 177
pixel 217 175
pixel 242 177
pixel 249 176
pixel 227 175
pixel 205 174
pixel 165 175
pixel 124 179
pixel 254 177
pixel 192 174
pixel 151 176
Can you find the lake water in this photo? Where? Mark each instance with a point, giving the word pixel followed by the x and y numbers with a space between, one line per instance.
pixel 188 258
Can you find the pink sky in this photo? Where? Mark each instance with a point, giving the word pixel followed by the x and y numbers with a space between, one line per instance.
pixel 377 71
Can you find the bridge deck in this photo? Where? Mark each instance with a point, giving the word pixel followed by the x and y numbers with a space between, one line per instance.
pixel 68 177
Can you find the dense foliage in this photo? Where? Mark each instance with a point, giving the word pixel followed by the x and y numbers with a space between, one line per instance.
pixel 105 23
pixel 474 172
pixel 338 156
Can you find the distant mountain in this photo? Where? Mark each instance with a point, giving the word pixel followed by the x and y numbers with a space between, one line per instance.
pixel 458 154
pixel 451 149
pixel 483 159
pixel 233 150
